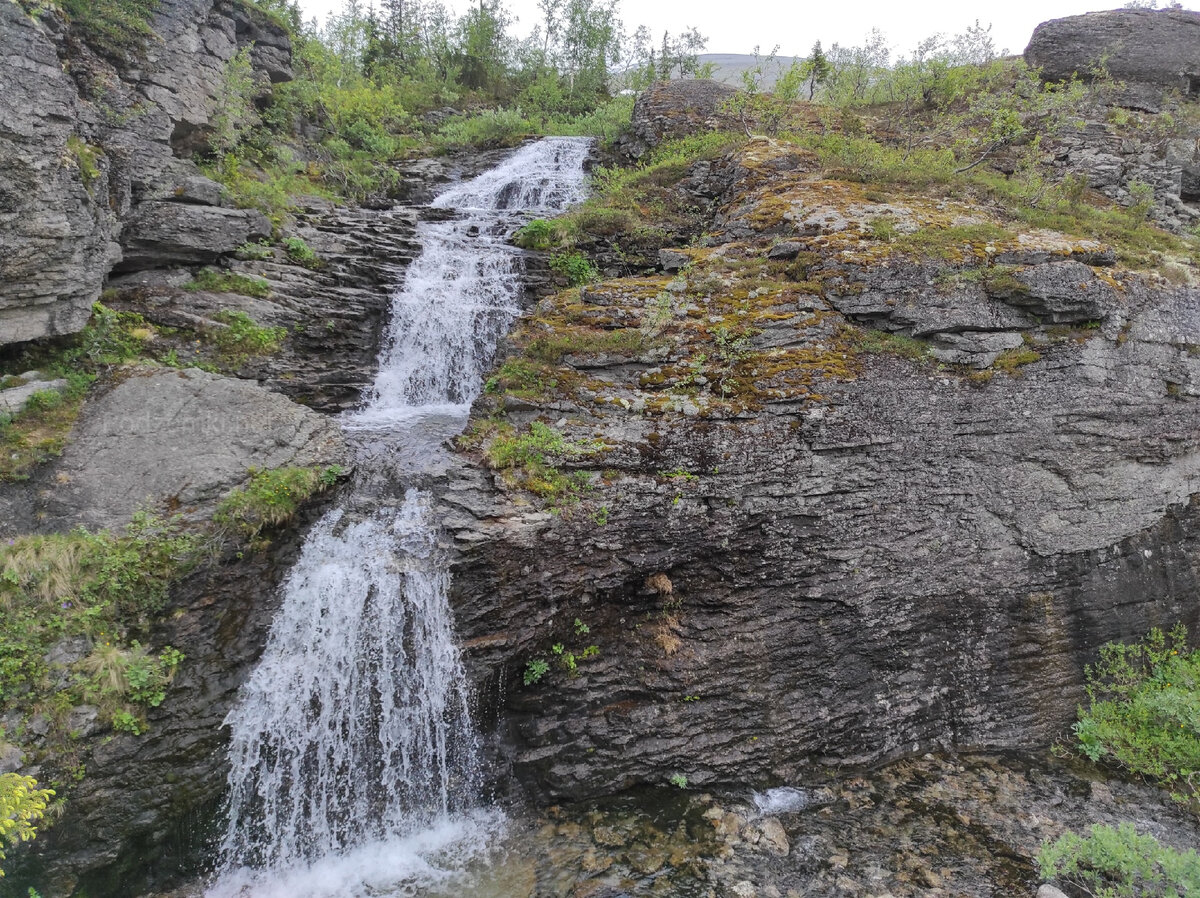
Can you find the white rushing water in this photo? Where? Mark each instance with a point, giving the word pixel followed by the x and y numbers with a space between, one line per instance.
pixel 353 763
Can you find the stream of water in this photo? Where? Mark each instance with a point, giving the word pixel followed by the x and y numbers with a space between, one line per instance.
pixel 354 766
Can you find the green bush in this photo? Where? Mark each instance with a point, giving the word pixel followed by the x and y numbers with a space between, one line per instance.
pixel 1119 863
pixel 528 460
pixel 302 254
pixel 537 234
pixel 242 337
pixel 493 127
pixel 1143 711
pixel 575 267
pixel 23 804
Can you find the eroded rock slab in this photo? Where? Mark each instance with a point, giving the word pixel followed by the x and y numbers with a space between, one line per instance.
pixel 182 437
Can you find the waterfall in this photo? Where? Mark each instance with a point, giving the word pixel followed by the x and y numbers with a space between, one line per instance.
pixel 353 762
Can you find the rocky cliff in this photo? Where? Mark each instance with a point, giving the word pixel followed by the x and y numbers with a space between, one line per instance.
pixel 93 168
pixel 851 491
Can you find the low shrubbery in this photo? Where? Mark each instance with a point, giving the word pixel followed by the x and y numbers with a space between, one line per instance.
pixel 1143 712
pixel 1117 862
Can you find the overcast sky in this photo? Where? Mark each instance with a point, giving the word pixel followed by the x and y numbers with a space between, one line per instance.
pixel 736 26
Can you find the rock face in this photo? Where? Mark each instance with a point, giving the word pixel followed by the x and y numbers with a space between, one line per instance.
pixel 56 230
pixel 1144 46
pixel 187 436
pixel 671 109
pixel 79 151
pixel 805 542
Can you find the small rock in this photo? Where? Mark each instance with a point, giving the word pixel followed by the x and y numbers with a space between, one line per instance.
pixel 673 259
pixel 1048 891
pixel 84 720
pixel 11 757
pixel 199 191
pixel 774 837
pixel 785 251
pixel 744 889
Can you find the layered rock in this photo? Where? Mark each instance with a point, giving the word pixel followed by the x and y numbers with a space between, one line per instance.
pixel 84 143
pixel 671 109
pixel 56 230
pixel 805 542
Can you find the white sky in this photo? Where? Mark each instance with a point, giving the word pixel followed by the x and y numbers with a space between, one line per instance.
pixel 736 26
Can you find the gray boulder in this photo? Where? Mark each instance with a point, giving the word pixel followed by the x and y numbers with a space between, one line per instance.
pixel 167 234
pixel 1154 47
pixel 672 109
pixel 188 436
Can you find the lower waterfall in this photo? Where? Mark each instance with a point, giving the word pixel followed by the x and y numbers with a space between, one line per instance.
pixel 354 765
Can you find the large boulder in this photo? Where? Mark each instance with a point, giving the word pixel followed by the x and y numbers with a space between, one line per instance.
pixel 167 234
pixel 187 436
pixel 672 109
pixel 1143 46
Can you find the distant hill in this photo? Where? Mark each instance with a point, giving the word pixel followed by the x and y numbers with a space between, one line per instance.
pixel 731 65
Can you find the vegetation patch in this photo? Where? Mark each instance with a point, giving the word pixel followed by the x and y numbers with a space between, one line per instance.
pixel 271 499
pixel 1116 862
pixel 95 587
pixel 1143 712
pixel 216 281
pixel 530 460
pixel 117 28
pixel 242 338
pixel 23 804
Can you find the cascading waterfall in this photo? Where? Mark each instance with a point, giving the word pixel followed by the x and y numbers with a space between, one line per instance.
pixel 353 762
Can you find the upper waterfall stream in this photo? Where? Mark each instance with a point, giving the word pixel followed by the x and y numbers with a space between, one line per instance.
pixel 353 761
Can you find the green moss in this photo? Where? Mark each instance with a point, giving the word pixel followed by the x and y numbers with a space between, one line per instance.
pixel 216 281
pixel 585 341
pixel 117 28
pixel 271 499
pixel 877 342
pixel 529 461
pixel 1012 360
pixel 522 377
pixel 953 244
pixel 242 338
pixel 86 158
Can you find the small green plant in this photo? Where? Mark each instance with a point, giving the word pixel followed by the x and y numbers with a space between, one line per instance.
pixel 1143 711
pixel 85 157
pixel 128 722
pixel 1141 195
pixel 537 234
pixel 528 461
pixel 575 267
pixel 581 629
pixel 302 254
pixel 242 337
pixel 678 780
pixel 882 227
pixel 255 252
pixel 535 670
pixel 1116 862
pixel 215 281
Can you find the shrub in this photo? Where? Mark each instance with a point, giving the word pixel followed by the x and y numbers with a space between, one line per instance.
pixel 23 804
pixel 302 254
pixel 537 234
pixel 242 337
pixel 1143 711
pixel 527 460
pixel 575 267
pixel 1117 862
